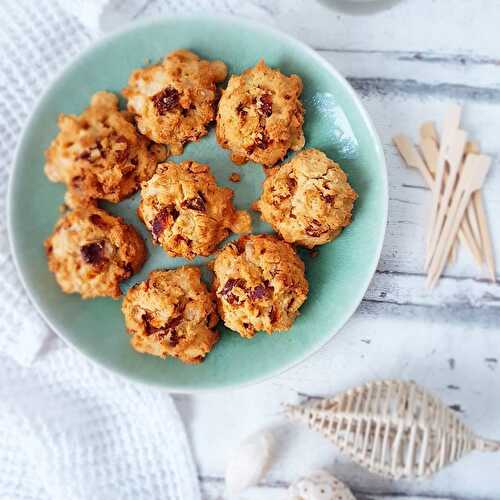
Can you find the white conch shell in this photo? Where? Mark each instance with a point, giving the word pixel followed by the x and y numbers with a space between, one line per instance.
pixel 393 428
pixel 319 485
pixel 249 462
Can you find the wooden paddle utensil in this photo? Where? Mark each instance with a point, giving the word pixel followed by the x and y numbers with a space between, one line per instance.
pixel 472 178
pixel 413 159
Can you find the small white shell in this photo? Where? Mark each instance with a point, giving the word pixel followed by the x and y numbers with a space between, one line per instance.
pixel 249 462
pixel 319 486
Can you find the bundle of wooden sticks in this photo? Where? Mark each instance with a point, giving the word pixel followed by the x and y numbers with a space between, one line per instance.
pixel 454 170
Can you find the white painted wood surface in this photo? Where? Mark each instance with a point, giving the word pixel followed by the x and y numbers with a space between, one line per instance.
pixel 407 63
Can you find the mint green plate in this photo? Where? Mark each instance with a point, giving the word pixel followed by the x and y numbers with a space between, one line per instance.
pixel 335 122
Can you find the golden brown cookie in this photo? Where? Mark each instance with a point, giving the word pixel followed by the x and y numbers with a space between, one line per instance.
pixel 260 115
pixel 307 200
pixel 186 211
pixel 259 284
pixel 91 252
pixel 172 314
pixel 99 154
pixel 175 101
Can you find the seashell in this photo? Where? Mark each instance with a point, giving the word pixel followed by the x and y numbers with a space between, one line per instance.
pixel 249 462
pixel 319 485
pixel 392 428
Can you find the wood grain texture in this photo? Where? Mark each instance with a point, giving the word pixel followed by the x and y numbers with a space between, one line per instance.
pixel 447 339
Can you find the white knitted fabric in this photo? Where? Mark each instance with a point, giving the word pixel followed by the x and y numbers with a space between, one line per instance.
pixel 70 431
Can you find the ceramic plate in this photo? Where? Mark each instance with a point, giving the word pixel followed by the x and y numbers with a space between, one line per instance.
pixel 335 122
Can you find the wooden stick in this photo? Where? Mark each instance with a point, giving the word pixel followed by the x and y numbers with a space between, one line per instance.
pixel 452 258
pixel 474 247
pixel 451 122
pixel 472 147
pixel 454 158
pixel 473 175
pixel 411 156
pixel 473 222
pixel 485 234
pixel 464 234
pixel 428 131
pixel 430 151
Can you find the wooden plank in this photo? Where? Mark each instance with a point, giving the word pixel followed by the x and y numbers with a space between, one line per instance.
pixel 324 27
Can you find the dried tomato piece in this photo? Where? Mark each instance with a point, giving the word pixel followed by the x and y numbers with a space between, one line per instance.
pixel 173 338
pixel 259 292
pixel 197 203
pixel 97 220
pixel 85 155
pixel 76 181
pixel 93 253
pixel 265 105
pixel 161 220
pixel 315 229
pixel 226 291
pixel 173 323
pixel 168 331
pixel 291 183
pixel 273 315
pixel 262 140
pixel 166 100
pixel 240 109
pixel 238 246
pixel 121 153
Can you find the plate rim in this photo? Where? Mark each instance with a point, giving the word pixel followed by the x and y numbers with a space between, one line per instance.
pixel 257 26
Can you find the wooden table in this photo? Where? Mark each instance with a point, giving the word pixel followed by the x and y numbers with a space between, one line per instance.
pixel 407 63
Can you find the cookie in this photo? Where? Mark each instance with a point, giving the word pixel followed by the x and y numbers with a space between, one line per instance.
pixel 91 252
pixel 259 284
pixel 308 200
pixel 260 115
pixel 175 101
pixel 186 211
pixel 172 314
pixel 99 154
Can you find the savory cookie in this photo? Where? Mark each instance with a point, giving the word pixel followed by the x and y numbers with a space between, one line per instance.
pixel 172 314
pixel 307 200
pixel 99 154
pixel 260 115
pixel 175 101
pixel 259 284
pixel 187 212
pixel 91 252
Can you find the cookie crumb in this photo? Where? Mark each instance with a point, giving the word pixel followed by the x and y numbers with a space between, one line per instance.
pixel 235 177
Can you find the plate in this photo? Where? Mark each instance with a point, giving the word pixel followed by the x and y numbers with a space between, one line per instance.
pixel 335 122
